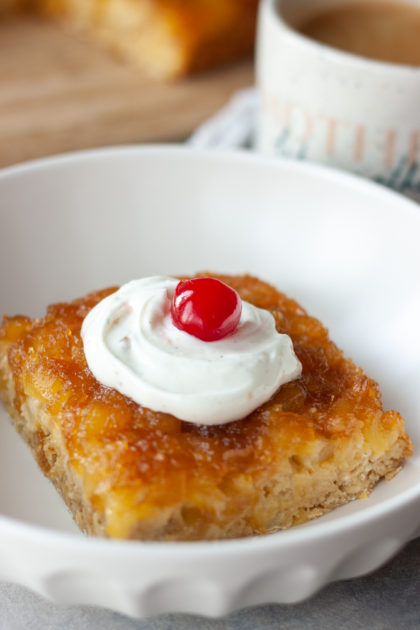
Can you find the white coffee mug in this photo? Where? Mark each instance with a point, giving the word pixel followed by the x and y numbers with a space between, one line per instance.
pixel 318 103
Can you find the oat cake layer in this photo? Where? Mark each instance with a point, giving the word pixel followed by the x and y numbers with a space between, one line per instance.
pixel 128 472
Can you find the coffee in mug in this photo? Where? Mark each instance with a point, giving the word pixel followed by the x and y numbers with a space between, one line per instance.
pixel 385 31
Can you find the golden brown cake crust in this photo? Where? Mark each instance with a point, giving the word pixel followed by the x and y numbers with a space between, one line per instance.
pixel 126 471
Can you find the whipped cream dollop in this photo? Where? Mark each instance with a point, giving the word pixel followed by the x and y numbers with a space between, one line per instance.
pixel 132 345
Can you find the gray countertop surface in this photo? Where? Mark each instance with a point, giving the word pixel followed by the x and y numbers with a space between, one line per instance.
pixel 388 599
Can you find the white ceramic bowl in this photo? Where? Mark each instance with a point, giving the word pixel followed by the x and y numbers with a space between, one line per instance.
pixel 347 249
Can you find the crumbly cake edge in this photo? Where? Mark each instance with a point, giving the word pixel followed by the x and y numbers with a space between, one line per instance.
pixel 36 427
pixel 43 437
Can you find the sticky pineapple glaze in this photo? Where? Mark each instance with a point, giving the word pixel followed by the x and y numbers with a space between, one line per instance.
pixel 136 464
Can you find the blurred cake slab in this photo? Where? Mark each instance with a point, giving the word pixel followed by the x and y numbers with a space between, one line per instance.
pixel 61 91
pixel 168 38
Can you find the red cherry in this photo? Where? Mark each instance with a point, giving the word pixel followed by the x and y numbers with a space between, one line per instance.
pixel 206 308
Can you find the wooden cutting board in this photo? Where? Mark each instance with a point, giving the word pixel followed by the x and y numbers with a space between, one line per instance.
pixel 60 92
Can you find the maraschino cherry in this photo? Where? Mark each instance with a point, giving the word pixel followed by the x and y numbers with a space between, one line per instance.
pixel 206 308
